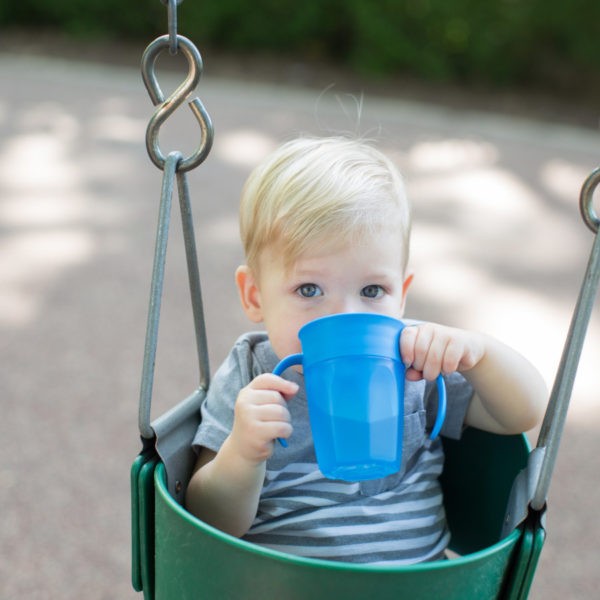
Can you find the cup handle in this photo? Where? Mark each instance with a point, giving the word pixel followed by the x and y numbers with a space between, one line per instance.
pixel 441 412
pixel 282 365
pixel 287 362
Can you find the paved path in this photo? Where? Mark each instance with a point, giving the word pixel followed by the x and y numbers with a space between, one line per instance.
pixel 498 245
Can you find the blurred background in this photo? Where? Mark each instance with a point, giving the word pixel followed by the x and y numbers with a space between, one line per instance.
pixel 499 42
pixel 490 109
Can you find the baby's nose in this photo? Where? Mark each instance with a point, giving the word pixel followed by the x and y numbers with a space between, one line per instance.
pixel 348 305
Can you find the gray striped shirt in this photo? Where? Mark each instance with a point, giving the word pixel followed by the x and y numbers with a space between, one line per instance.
pixel 399 519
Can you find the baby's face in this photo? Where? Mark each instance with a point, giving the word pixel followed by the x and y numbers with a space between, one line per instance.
pixel 367 277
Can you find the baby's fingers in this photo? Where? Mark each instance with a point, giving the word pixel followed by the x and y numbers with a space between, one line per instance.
pixel 268 381
pixel 423 350
pixel 416 344
pixel 408 340
pixel 455 350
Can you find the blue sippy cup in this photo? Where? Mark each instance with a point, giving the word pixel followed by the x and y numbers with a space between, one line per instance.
pixel 354 379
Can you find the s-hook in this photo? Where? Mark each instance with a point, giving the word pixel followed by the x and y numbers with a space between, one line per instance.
pixel 167 106
pixel 586 201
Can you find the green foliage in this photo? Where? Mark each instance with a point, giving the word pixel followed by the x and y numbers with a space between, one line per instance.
pixel 87 17
pixel 309 29
pixel 501 41
pixel 461 39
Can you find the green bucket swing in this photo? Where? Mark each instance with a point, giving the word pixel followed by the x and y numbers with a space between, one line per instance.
pixel 495 487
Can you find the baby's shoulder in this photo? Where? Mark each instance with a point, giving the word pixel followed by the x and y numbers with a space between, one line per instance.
pixel 253 351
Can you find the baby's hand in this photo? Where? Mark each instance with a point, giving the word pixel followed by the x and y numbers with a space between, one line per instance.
pixel 261 415
pixel 429 349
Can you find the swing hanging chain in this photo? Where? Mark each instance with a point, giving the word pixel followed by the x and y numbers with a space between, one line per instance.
pixel 556 414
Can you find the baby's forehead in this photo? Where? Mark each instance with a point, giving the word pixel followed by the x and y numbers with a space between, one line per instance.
pixel 308 255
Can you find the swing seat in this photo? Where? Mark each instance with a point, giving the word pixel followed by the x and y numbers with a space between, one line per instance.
pixel 175 555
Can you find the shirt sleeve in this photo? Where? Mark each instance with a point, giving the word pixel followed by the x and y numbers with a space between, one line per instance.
pixel 218 407
pixel 459 393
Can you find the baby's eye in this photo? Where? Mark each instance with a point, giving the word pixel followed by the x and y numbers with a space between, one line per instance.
pixel 309 290
pixel 372 291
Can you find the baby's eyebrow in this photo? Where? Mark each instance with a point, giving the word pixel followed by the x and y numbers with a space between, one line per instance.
pixel 306 273
pixel 381 275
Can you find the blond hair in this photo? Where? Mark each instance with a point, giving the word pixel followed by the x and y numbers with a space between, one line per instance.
pixel 319 191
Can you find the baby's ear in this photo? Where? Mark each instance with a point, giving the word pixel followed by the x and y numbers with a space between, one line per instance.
pixel 405 286
pixel 249 293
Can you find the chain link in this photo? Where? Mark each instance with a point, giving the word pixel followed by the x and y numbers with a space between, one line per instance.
pixel 172 23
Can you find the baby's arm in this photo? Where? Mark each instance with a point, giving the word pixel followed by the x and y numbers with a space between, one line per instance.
pixel 225 487
pixel 510 394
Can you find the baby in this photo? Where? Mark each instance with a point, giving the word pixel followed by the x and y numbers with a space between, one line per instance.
pixel 325 225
